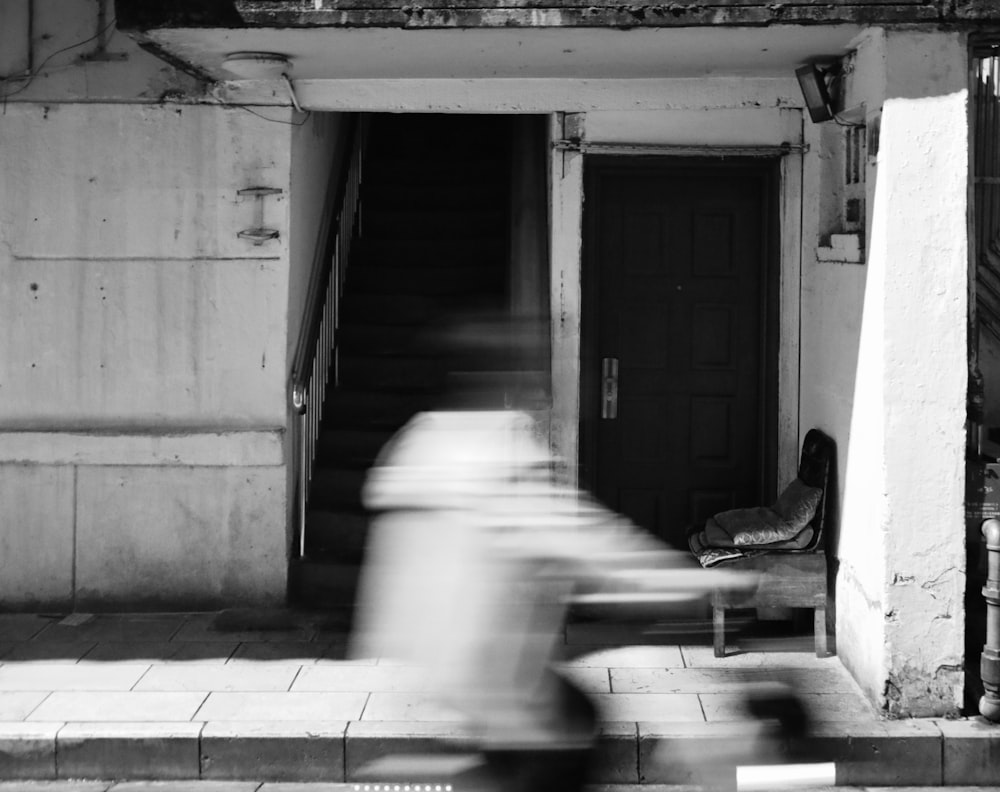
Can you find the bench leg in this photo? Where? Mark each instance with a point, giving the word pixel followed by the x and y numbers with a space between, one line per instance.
pixel 719 630
pixel 819 626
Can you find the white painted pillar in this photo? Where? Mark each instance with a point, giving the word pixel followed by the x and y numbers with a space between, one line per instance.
pixel 919 247
pixel 566 221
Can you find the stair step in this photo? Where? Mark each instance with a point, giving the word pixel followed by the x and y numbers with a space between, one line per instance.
pixel 350 448
pixel 407 224
pixel 482 252
pixel 372 410
pixel 334 487
pixel 388 373
pixel 429 281
pixel 389 309
pixel 324 582
pixel 482 195
pixel 376 339
pixel 337 533
pixel 396 168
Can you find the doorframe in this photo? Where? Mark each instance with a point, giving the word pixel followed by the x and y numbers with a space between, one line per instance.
pixel 566 247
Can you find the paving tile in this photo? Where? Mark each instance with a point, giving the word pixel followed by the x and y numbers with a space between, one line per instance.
pixel 245 677
pixel 730 680
pixel 204 627
pixel 54 786
pixel 17 705
pixel 367 741
pixel 28 750
pixel 161 651
pixel 361 678
pixel 971 751
pixel 128 750
pixel 648 706
pixel 703 657
pixel 627 657
pixel 821 707
pixel 270 751
pixel 47 652
pixel 343 706
pixel 298 652
pixel 388 706
pixel 185 786
pixel 70 676
pixel 114 627
pixel 114 706
pixel 22 626
pixel 339 651
pixel 589 680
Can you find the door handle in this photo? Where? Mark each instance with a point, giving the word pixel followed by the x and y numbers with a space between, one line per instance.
pixel 609 388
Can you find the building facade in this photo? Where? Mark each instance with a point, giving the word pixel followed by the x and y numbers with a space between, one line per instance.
pixel 153 296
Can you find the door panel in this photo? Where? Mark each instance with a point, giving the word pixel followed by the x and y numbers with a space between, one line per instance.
pixel 674 284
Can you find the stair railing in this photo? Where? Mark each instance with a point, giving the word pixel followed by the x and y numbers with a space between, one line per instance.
pixel 315 363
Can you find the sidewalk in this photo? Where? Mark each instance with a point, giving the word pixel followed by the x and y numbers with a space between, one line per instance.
pixel 269 697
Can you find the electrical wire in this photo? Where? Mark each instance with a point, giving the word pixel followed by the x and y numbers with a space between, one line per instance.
pixel 31 77
pixel 273 120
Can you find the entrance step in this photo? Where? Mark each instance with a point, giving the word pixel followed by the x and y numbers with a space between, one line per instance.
pixel 487 252
pixel 350 448
pixel 424 280
pixel 371 410
pixel 338 533
pixel 433 239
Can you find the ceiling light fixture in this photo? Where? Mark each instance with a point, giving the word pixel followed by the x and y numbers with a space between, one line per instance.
pixel 257 65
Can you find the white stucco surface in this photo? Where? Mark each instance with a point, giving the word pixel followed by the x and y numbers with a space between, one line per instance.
pixel 36 535
pixel 884 372
pixel 924 121
pixel 180 536
pixel 155 343
pixel 143 358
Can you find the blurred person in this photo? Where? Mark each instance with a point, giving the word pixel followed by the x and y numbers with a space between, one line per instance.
pixel 475 551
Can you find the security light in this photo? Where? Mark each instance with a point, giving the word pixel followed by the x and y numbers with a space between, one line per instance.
pixel 814 92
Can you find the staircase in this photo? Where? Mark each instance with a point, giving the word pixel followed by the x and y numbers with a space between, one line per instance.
pixel 434 231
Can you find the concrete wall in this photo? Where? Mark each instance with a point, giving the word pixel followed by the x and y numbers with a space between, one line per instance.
pixel 143 360
pixel 883 371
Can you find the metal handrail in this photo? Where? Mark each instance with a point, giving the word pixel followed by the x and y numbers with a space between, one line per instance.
pixel 315 362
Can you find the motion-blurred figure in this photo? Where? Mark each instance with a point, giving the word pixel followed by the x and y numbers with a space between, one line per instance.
pixel 474 553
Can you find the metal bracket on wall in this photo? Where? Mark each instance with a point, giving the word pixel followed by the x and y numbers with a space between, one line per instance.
pixel 258 234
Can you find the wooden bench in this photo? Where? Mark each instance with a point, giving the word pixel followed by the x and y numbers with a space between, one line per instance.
pixel 790 578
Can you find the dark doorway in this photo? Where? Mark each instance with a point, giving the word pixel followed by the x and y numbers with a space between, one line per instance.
pixel 678 384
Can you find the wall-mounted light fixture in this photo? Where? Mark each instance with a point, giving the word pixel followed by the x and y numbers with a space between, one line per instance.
pixel 257 65
pixel 262 66
pixel 814 91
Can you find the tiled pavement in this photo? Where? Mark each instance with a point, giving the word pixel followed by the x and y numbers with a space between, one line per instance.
pixel 203 696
